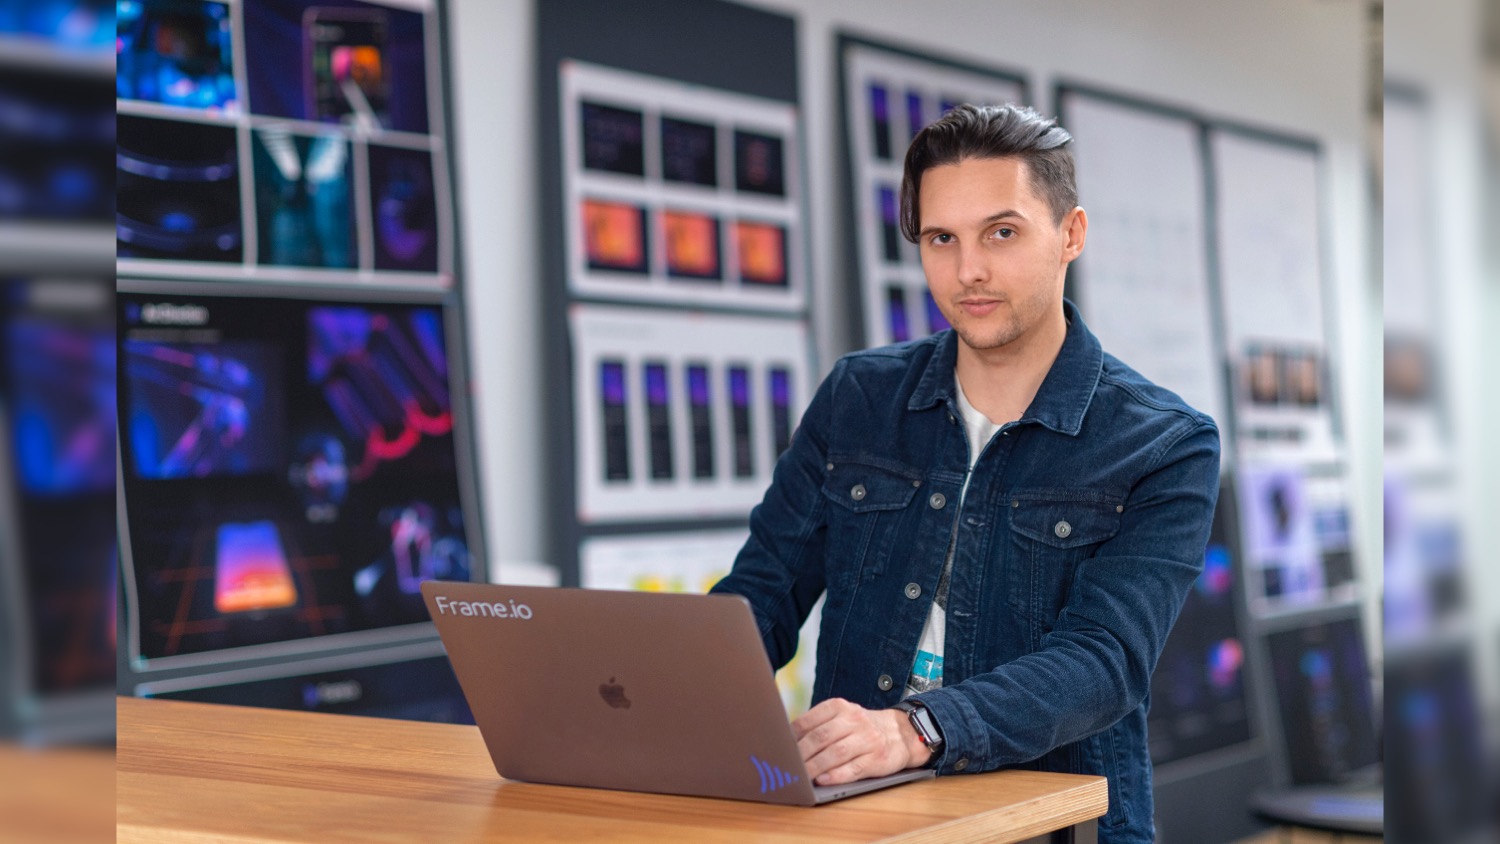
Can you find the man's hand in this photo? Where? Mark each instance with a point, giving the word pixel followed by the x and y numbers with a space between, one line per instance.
pixel 842 742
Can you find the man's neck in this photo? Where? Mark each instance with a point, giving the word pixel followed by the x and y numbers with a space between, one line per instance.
pixel 1001 382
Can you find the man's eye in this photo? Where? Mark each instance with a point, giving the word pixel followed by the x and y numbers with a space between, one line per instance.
pixel 940 239
pixel 1004 233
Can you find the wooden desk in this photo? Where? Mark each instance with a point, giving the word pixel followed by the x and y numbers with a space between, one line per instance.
pixel 57 795
pixel 190 771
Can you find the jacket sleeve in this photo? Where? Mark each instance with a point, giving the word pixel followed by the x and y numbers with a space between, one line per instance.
pixel 780 568
pixel 1095 665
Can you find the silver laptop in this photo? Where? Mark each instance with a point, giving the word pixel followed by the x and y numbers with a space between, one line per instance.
pixel 634 691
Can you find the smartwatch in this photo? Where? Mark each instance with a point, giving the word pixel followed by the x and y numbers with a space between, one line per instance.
pixel 925 725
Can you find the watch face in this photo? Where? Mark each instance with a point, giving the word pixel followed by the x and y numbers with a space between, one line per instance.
pixel 927 730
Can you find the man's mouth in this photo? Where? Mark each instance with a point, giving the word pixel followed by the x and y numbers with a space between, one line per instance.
pixel 978 305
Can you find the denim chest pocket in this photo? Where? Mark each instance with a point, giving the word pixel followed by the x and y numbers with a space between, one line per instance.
pixel 868 503
pixel 1051 534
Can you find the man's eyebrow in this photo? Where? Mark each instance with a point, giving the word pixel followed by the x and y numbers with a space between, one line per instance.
pixel 1001 215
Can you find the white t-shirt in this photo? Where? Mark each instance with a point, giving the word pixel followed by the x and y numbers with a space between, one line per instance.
pixel 927 668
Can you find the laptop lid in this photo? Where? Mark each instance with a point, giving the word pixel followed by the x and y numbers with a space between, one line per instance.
pixel 637 691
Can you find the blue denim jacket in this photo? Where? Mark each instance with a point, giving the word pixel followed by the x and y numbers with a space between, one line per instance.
pixel 1083 528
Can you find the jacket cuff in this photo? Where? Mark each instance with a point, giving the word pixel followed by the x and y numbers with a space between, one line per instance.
pixel 965 740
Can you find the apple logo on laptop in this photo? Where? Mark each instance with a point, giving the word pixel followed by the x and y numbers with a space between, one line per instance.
pixel 614 695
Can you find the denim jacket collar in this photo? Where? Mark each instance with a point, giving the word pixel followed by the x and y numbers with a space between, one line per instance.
pixel 1064 396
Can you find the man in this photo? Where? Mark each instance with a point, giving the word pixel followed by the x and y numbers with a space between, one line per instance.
pixel 1005 519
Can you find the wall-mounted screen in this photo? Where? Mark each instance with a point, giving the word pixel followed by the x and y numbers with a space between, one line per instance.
pixel 1198 693
pixel 289 469
pixel 1324 699
pixel 57 410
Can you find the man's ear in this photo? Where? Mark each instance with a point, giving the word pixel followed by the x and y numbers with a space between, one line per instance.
pixel 1075 229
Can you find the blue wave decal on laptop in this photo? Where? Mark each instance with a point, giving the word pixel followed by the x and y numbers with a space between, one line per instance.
pixel 772 777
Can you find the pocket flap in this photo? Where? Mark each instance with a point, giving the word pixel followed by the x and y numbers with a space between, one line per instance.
pixel 1064 522
pixel 863 488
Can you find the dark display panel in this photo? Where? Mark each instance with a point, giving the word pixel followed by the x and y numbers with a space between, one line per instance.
pixel 57 375
pixel 337 61
pixel 616 425
pixel 880 121
pixel 403 206
pixel 1323 694
pixel 700 416
pixel 916 115
pixel 689 152
pixel 890 223
pixel 289 468
pixel 739 417
pixel 613 139
pixel 1198 694
pixel 900 325
pixel 659 419
pixel 55 147
pixel 781 409
pixel 177 190
pixel 759 163
pixel 1436 757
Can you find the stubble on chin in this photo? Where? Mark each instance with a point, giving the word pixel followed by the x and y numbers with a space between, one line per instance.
pixel 984 338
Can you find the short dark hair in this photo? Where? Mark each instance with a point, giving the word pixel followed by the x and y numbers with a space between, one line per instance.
pixel 1004 131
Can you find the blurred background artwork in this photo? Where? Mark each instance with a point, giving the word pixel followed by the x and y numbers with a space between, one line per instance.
pixel 58 564
pixel 1334 254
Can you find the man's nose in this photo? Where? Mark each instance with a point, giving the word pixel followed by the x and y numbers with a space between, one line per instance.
pixel 972 268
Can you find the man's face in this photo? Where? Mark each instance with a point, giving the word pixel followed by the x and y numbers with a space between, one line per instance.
pixel 993 256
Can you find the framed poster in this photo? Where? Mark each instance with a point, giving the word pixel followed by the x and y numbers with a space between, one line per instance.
pixel 680 194
pixel 682 415
pixel 1268 232
pixel 1143 281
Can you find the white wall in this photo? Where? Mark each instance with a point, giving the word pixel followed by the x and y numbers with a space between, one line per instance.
pixel 493 67
pixel 1295 65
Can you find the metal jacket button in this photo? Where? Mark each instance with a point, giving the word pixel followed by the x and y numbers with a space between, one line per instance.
pixel 885 682
pixel 858 493
pixel 1063 530
pixel 961 764
pixel 913 591
pixel 937 501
